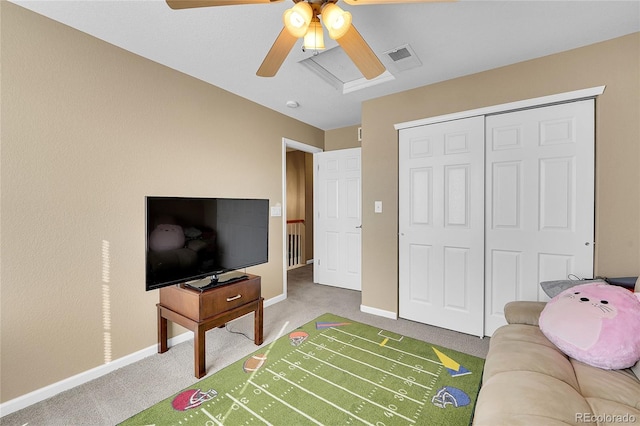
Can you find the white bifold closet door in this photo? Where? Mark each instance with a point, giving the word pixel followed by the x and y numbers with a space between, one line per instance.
pixel 491 206
pixel 441 225
pixel 540 202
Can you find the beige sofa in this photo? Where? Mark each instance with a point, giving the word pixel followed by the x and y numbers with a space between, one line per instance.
pixel 528 381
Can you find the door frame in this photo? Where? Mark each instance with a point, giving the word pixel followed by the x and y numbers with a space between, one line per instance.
pixel 299 146
pixel 575 95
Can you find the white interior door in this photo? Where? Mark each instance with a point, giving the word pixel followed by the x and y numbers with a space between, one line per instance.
pixel 540 202
pixel 441 225
pixel 338 220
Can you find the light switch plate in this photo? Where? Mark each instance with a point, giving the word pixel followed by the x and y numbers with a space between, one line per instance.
pixel 377 206
pixel 276 210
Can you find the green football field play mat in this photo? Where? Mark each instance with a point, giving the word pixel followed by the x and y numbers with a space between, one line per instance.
pixel 331 371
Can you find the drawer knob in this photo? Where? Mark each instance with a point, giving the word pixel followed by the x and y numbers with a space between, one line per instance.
pixel 231 299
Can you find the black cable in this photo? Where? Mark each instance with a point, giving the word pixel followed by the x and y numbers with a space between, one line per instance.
pixel 226 327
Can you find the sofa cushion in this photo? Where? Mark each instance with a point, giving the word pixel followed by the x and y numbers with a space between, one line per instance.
pixel 522 312
pixel 612 413
pixel 520 333
pixel 616 386
pixel 524 348
pixel 528 398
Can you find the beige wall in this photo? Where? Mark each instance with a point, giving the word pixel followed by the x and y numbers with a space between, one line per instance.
pixel 615 63
pixel 341 138
pixel 295 185
pixel 88 130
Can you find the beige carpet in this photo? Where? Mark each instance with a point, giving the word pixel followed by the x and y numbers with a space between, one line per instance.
pixel 129 390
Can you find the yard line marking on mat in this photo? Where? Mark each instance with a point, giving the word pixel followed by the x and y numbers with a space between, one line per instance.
pixel 244 388
pixel 321 398
pixel 388 347
pixel 240 404
pixel 283 402
pixel 280 333
pixel 216 421
pixel 395 339
pixel 363 398
pixel 360 377
pixel 413 367
pixel 374 367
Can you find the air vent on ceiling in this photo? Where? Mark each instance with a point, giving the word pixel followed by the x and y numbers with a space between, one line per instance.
pixel 399 54
pixel 403 58
pixel 334 66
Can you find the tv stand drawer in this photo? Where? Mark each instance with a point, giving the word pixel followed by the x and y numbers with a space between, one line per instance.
pixel 229 296
pixel 199 306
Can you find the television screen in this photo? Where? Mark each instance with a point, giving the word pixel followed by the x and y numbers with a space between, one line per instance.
pixel 193 238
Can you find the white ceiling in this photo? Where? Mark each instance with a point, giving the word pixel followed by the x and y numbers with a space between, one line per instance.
pixel 225 45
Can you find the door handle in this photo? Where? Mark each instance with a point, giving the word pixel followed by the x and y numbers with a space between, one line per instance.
pixel 359 227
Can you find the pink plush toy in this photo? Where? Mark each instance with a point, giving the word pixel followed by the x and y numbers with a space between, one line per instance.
pixel 598 324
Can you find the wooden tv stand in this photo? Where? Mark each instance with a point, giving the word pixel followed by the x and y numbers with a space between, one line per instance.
pixel 202 311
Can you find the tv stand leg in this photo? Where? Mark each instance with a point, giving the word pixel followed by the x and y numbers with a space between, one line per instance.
pixel 198 343
pixel 162 332
pixel 258 337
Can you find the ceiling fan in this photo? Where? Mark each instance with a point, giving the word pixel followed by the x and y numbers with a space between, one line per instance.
pixel 301 21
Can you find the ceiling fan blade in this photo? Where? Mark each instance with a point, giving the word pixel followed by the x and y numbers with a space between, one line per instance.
pixel 361 54
pixel 188 4
pixel 277 54
pixel 365 2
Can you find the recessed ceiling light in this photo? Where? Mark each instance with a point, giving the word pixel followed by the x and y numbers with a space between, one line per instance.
pixel 292 104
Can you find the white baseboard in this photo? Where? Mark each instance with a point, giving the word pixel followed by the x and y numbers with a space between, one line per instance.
pixel 53 389
pixel 378 312
pixel 274 300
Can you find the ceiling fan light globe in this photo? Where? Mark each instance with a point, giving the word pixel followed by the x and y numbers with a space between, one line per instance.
pixel 336 20
pixel 314 38
pixel 298 18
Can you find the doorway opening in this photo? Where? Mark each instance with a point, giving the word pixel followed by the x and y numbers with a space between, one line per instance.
pixel 298 209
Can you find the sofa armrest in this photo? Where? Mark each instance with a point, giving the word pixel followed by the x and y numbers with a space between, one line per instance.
pixel 521 312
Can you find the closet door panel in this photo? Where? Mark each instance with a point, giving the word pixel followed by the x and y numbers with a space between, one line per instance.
pixel 441 225
pixel 557 199
pixel 506 203
pixel 506 275
pixel 540 202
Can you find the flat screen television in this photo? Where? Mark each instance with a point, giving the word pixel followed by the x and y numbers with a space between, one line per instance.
pixel 189 239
